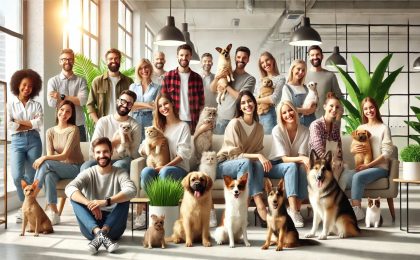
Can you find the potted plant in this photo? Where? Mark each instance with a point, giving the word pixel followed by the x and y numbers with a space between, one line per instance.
pixel 410 156
pixel 164 196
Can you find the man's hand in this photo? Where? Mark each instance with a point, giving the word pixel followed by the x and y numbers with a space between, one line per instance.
pixel 54 94
pixel 95 207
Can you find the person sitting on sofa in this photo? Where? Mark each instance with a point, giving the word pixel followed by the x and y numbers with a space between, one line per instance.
pixel 63 158
pixel 241 150
pixel 381 144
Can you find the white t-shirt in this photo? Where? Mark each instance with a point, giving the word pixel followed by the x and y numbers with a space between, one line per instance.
pixel 113 97
pixel 248 128
pixel 184 106
pixel 283 147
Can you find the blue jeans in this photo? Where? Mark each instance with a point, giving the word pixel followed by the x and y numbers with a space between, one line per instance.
pixel 145 119
pixel 123 163
pixel 51 172
pixel 357 181
pixel 268 120
pixel 307 120
pixel 116 220
pixel 220 126
pixel 148 174
pixel 25 148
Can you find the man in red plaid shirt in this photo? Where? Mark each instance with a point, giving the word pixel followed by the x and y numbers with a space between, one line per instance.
pixel 185 87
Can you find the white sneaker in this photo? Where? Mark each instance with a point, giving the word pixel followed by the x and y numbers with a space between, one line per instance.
pixel 358 211
pixel 18 216
pixel 213 218
pixel 54 218
pixel 296 217
pixel 140 220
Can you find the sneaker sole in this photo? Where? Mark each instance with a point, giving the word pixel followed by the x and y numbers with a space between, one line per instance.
pixel 92 250
pixel 112 248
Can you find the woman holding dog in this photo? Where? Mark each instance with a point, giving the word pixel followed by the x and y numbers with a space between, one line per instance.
pixel 268 68
pixel 295 91
pixel 64 157
pixel 241 150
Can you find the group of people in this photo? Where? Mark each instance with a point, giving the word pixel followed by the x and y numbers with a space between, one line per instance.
pixel 172 102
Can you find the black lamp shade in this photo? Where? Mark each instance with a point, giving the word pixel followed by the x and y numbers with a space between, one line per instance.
pixel 305 35
pixel 336 59
pixel 170 35
pixel 195 59
pixel 416 65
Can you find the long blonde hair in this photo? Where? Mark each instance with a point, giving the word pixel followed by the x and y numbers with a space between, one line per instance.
pixel 292 66
pixel 141 63
pixel 263 73
pixel 280 121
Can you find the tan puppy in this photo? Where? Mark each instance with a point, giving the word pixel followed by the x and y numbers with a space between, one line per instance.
pixel 155 234
pixel 33 213
pixel 361 137
pixel 266 89
pixel 194 221
pixel 224 61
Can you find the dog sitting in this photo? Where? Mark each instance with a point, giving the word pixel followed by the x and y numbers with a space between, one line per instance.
pixel 33 213
pixel 124 132
pixel 362 137
pixel 203 141
pixel 155 234
pixel 235 221
pixel 266 89
pixel 155 147
pixel 224 62
pixel 194 221
pixel 328 201
pixel 312 97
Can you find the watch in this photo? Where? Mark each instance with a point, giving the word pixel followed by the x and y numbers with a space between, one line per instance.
pixel 108 201
pixel 62 96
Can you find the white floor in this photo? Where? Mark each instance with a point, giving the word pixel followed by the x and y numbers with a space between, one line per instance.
pixel 387 242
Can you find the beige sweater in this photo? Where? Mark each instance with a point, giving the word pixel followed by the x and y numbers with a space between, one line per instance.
pixel 69 138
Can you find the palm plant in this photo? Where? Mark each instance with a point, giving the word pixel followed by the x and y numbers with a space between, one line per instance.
pixel 374 86
pixel 415 125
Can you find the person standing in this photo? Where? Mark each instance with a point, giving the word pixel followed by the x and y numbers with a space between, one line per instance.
pixel 208 77
pixel 68 86
pixel 158 70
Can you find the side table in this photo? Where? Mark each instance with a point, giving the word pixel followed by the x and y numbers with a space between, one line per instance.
pixel 407 182
pixel 136 201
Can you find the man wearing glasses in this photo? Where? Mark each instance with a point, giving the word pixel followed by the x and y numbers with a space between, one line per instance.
pixel 109 126
pixel 68 86
pixel 107 88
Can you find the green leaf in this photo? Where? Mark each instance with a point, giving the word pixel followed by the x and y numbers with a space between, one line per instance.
pixel 416 111
pixel 378 75
pixel 383 89
pixel 351 86
pixel 415 138
pixel 362 76
pixel 351 110
pixel 414 125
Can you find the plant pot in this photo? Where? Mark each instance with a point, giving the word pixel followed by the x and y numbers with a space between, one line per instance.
pixel 171 215
pixel 411 171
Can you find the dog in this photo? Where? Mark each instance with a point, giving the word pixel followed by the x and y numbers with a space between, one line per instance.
pixel 224 62
pixel 33 213
pixel 266 89
pixel 328 201
pixel 362 137
pixel 312 97
pixel 222 85
pixel 193 224
pixel 156 147
pixel 124 132
pixel 155 234
pixel 235 220
pixel 203 141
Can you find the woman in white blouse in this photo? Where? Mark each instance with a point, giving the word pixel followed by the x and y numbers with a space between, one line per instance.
pixel 24 120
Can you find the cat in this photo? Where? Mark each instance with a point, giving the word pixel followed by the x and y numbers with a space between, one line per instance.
pixel 208 164
pixel 203 141
pixel 224 62
pixel 124 132
pixel 312 97
pixel 222 85
pixel 155 234
pixel 373 213
pixel 266 89
pixel 155 147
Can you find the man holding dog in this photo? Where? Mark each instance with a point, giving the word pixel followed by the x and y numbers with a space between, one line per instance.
pixel 100 198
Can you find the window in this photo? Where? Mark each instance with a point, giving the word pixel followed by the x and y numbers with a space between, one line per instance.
pixel 81 27
pixel 125 33
pixel 148 43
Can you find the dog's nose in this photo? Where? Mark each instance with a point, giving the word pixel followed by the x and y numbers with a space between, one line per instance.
pixel 275 201
pixel 236 191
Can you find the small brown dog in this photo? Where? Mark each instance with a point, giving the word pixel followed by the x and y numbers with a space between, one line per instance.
pixel 266 89
pixel 33 213
pixel 155 234
pixel 224 62
pixel 361 137
pixel 194 221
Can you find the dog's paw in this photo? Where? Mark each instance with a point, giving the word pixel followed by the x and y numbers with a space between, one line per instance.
pixel 163 247
pixel 265 246
pixel 207 243
pixel 232 245
pixel 341 235
pixel 279 248
pixel 219 242
pixel 322 237
pixel 36 235
pixel 247 244
pixel 150 247
pixel 310 235
pixel 176 240
pixel 21 234
pixel 188 244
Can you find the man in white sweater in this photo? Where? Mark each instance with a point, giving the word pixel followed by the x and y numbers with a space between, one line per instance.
pixel 109 126
pixel 100 198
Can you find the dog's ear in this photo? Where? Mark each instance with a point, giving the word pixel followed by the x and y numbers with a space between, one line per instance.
pixel 244 178
pixel 218 49
pixel 35 183
pixel 312 158
pixel 354 134
pixel 153 217
pixel 368 134
pixel 186 181
pixel 23 184
pixel 268 186
pixel 162 217
pixel 209 183
pixel 328 157
pixel 227 179
pixel 280 185
pixel 229 46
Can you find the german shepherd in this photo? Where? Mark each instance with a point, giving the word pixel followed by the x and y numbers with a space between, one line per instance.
pixel 328 201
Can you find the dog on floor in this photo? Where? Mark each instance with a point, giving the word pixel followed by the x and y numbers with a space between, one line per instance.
pixel 362 137
pixel 193 224
pixel 155 234
pixel 329 203
pixel 235 220
pixel 33 213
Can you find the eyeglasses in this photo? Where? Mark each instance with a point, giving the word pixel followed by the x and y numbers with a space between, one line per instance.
pixel 125 102
pixel 67 60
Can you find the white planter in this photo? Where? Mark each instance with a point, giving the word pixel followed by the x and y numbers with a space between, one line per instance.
pixel 171 215
pixel 411 171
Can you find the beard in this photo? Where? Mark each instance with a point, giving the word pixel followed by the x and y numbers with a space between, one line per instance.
pixel 103 164
pixel 206 67
pixel 185 62
pixel 67 67
pixel 114 67
pixel 316 62
pixel 122 111
pixel 240 64
pixel 159 65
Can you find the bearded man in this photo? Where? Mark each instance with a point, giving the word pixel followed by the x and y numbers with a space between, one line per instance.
pixel 158 70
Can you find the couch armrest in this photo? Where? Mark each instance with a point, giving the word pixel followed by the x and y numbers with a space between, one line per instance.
pixel 394 172
pixel 135 168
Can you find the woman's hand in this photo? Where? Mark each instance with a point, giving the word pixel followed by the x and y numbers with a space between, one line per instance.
pixel 157 169
pixel 265 163
pixel 38 162
pixel 305 160
pixel 362 167
pixel 359 148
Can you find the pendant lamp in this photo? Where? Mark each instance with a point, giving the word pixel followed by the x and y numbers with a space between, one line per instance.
pixel 336 58
pixel 416 65
pixel 170 35
pixel 305 35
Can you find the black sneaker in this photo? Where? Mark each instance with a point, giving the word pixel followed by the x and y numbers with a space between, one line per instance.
pixel 96 243
pixel 108 243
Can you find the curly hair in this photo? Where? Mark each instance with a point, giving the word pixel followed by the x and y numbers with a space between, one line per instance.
pixel 19 75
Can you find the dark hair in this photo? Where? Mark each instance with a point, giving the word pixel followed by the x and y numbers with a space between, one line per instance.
pixel 314 47
pixel 72 119
pixel 130 93
pixel 113 50
pixel 206 54
pixel 239 112
pixel 184 47
pixel 159 120
pixel 68 51
pixel 377 114
pixel 19 75
pixel 244 49
pixel 102 140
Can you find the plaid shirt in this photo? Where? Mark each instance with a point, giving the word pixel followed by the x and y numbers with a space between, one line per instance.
pixel 318 135
pixel 171 86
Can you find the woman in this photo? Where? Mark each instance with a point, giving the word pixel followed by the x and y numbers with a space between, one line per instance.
pixel 268 68
pixel 241 150
pixel 64 157
pixel 146 92
pixel 289 156
pixel 381 144
pixel 295 91
pixel 24 120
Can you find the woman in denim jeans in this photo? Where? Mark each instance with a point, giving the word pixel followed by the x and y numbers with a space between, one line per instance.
pixel 146 92
pixel 24 120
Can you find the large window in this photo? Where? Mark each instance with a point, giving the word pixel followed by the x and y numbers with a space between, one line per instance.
pixel 148 43
pixel 81 27
pixel 125 32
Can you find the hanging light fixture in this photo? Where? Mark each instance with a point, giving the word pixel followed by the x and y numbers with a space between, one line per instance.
pixel 416 65
pixel 335 58
pixel 170 35
pixel 305 35
pixel 195 59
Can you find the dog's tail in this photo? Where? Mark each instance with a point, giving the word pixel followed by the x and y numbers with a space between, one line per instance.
pixel 220 235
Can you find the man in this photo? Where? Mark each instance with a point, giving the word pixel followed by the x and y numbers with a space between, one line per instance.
pixel 326 80
pixel 109 125
pixel 243 81
pixel 185 87
pixel 107 87
pixel 158 71
pixel 100 198
pixel 68 86
pixel 207 76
